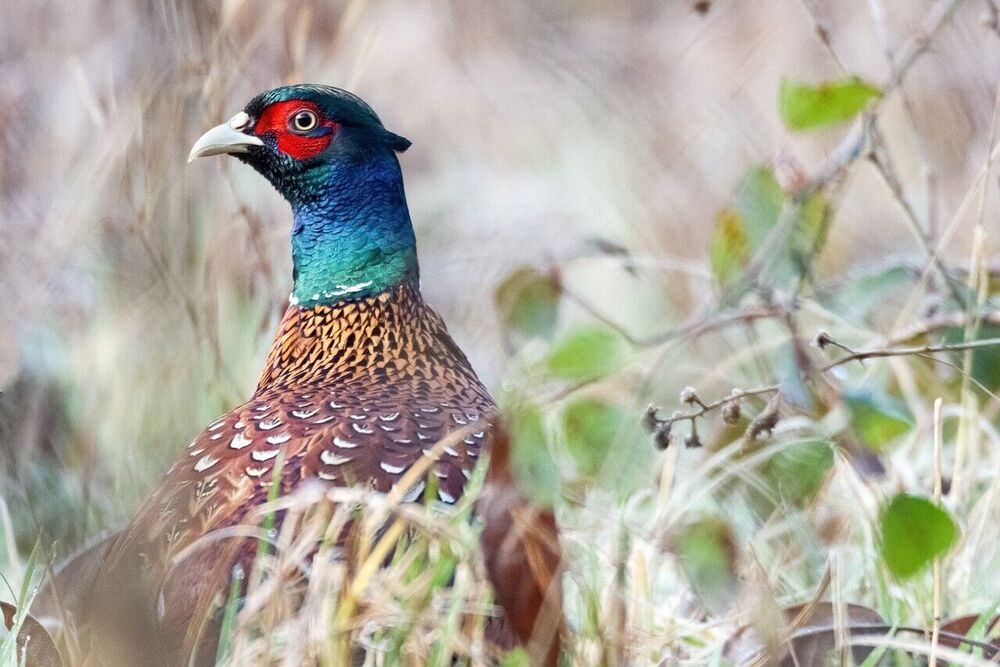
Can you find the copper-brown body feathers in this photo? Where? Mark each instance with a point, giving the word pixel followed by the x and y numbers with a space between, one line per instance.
pixel 352 393
pixel 362 382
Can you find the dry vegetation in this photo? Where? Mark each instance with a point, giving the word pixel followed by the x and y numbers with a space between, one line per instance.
pixel 632 152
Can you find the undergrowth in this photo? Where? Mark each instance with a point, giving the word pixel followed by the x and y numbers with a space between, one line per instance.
pixel 728 429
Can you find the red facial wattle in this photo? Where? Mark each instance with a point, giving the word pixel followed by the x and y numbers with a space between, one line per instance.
pixel 275 121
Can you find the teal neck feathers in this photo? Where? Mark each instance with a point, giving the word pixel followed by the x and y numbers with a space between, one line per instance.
pixel 352 235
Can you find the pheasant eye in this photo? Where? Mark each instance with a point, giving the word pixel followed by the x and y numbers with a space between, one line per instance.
pixel 304 120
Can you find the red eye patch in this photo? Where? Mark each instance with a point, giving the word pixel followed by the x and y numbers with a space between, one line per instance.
pixel 275 120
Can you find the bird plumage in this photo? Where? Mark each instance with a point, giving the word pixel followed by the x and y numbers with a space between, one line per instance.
pixel 353 393
pixel 361 381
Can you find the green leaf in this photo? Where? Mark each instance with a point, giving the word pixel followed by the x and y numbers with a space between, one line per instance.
pixel 872 292
pixel 744 231
pixel 517 657
pixel 914 532
pixel 809 231
pixel 707 553
pixel 986 360
pixel 805 107
pixel 758 201
pixel 788 369
pixel 877 418
pixel 729 250
pixel 528 302
pixel 590 426
pixel 531 460
pixel 740 231
pixel 587 354
pixel 799 471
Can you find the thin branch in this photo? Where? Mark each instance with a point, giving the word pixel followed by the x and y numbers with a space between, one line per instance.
pixel 881 353
pixel 961 370
pixel 880 158
pixel 878 12
pixel 934 20
pixel 823 33
pixel 854 144
pixel 940 322
pixel 693 328
pixel 765 421
pixel 655 423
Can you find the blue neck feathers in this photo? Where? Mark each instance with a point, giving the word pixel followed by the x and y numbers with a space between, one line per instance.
pixel 352 235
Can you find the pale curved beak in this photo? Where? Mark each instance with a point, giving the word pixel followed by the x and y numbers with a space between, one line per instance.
pixel 226 138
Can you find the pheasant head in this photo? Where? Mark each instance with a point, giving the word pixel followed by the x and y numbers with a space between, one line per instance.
pixel 329 155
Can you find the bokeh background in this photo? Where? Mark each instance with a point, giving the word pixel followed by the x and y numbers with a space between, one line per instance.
pixel 139 293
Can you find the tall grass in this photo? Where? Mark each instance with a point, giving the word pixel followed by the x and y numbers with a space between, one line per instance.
pixel 140 294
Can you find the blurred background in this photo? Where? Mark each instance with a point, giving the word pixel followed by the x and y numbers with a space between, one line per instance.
pixel 140 293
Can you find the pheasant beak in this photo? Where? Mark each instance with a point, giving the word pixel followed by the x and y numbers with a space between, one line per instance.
pixel 226 138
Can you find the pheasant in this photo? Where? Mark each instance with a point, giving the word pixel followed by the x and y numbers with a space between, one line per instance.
pixel 361 380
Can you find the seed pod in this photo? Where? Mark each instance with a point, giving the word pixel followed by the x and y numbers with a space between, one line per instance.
pixel 731 412
pixel 822 339
pixel 650 421
pixel 689 395
pixel 765 422
pixel 692 440
pixel 661 436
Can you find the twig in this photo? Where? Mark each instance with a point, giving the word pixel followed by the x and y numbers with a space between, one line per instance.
pixel 936 620
pixel 661 427
pixel 693 327
pixel 854 144
pixel 878 12
pixel 939 322
pixel 880 353
pixel 935 18
pixel 823 33
pixel 845 155
pixel 880 158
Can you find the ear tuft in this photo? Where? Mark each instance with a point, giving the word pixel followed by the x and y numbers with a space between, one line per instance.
pixel 396 142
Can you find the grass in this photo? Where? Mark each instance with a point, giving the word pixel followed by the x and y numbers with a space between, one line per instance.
pixel 140 296
pixel 12 651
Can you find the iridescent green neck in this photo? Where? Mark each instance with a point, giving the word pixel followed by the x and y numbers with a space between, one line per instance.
pixel 352 235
